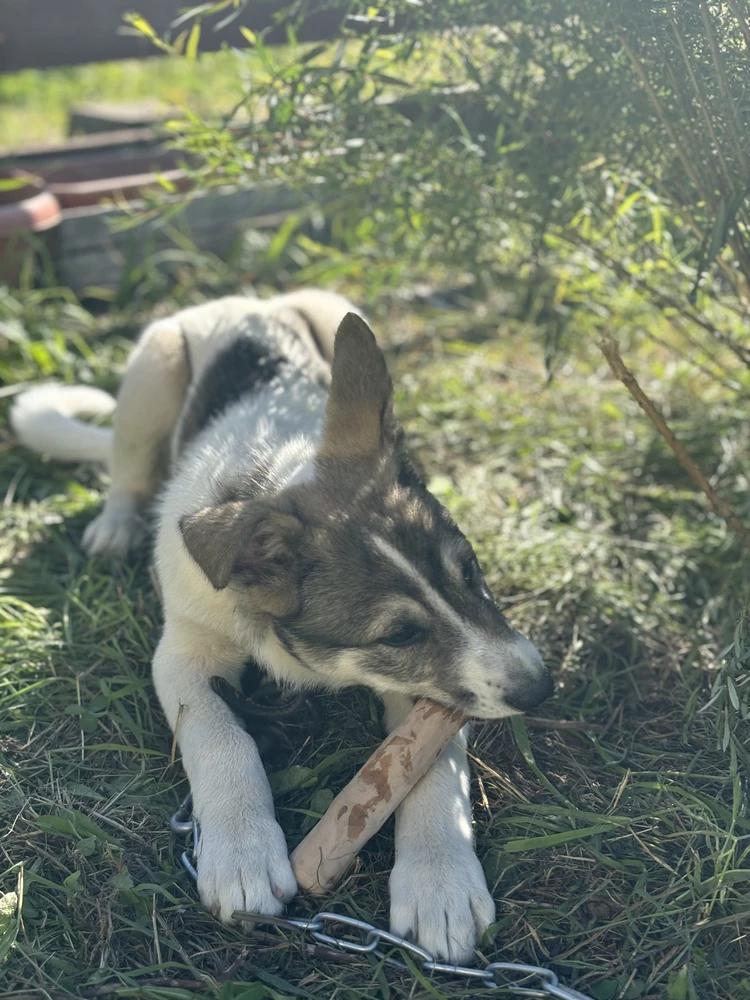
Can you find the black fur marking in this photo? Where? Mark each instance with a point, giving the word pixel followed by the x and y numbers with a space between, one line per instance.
pixel 188 357
pixel 242 368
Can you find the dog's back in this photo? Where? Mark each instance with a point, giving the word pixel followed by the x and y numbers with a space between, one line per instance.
pixel 47 418
pixel 247 365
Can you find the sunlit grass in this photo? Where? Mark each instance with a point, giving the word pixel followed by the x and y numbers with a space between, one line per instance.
pixel 35 104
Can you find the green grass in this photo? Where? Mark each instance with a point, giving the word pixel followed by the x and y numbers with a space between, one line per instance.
pixel 614 831
pixel 34 104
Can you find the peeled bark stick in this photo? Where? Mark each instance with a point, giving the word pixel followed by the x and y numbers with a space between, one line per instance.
pixel 359 811
pixel 611 352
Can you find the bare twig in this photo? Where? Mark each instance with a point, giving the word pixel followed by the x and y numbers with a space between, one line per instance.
pixel 729 100
pixel 234 967
pixel 611 352
pixel 687 161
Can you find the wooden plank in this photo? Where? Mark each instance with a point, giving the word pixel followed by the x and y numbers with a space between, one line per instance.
pixel 44 33
pixel 90 252
pixel 79 148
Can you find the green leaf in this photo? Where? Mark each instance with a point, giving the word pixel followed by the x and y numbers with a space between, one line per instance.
pixel 178 45
pixel 87 846
pixel 725 216
pixel 88 722
pixel 607 990
pixel 72 883
pixel 42 357
pixel 321 800
pixel 144 27
pixel 71 823
pixel 552 839
pixel 629 202
pixel 292 778
pixel 122 880
pixel 257 991
pixel 521 736
pixel 283 235
pixel 141 24
pixel 191 49
pixel 12 183
pixel 677 987
pixel 278 983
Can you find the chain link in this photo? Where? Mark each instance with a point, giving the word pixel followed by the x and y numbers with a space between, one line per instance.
pixel 526 981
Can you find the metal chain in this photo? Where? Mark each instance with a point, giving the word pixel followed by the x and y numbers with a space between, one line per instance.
pixel 528 980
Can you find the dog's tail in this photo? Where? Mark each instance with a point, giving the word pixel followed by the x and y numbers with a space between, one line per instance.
pixel 45 420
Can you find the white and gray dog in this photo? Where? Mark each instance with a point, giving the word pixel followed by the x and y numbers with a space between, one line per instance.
pixel 291 528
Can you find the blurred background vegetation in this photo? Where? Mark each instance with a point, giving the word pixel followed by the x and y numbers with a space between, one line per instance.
pixel 577 150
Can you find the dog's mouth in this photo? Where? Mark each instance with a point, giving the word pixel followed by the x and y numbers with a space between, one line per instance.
pixel 522 696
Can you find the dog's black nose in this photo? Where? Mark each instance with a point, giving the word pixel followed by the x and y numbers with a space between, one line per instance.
pixel 530 692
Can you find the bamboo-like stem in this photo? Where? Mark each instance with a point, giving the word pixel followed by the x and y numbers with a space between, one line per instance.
pixel 724 84
pixel 697 87
pixel 611 352
pixel 663 118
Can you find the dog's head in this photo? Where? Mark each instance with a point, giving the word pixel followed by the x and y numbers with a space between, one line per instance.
pixel 361 572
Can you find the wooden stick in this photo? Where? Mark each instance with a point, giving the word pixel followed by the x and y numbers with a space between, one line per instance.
pixel 611 352
pixel 359 811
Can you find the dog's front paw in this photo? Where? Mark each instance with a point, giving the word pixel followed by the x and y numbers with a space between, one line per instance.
pixel 247 871
pixel 440 900
pixel 114 532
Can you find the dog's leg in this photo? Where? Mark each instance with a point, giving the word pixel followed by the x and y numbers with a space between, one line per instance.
pixel 148 406
pixel 439 895
pixel 242 855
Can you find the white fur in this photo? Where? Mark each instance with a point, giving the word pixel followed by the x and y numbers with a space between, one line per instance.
pixel 428 591
pixel 44 419
pixel 242 855
pixel 483 661
pixel 439 894
pixel 438 890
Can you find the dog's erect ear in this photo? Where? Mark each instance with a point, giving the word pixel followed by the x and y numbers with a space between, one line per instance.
pixel 359 418
pixel 250 542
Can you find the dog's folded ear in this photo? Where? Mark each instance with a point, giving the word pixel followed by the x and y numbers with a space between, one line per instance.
pixel 250 542
pixel 359 418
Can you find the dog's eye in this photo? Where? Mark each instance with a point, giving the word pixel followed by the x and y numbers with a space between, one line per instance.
pixel 406 635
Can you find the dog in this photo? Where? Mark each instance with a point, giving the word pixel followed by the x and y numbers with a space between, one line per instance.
pixel 293 529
